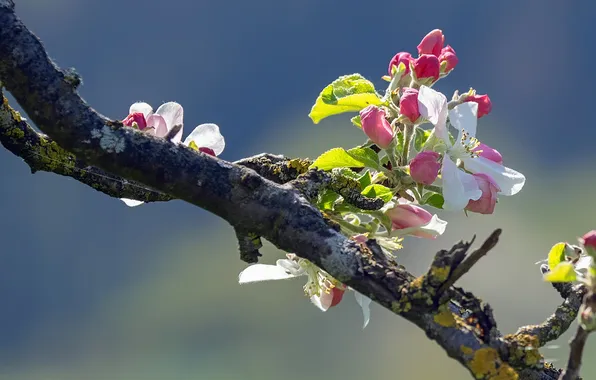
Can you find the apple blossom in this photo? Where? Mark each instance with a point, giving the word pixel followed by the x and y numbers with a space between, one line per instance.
pixel 376 126
pixel 206 138
pixel 489 153
pixel 157 123
pixel 324 291
pixel 410 219
pixel 589 242
pixel 408 104
pixel 459 187
pixel 424 168
pixel 487 201
pixel 401 57
pixel 448 59
pixel 427 66
pixel 432 43
pixel 484 104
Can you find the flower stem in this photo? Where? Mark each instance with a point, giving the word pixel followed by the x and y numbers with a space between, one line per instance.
pixel 408 133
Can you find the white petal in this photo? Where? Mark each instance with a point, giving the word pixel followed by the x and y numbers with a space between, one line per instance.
pixel 583 264
pixel 464 118
pixel 291 266
pixel 435 227
pixel 173 114
pixel 433 106
pixel 131 202
pixel 459 187
pixel 141 107
pixel 207 136
pixel 157 125
pixel 510 181
pixel 364 303
pixel 263 272
pixel 323 302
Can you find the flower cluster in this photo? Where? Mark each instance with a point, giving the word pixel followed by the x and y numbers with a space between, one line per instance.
pixel 405 163
pixel 205 138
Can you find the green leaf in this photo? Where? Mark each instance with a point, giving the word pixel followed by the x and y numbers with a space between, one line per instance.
pixel 556 255
pixel 378 191
pixel 366 155
pixel 336 158
pixel 348 93
pixel 356 121
pixel 327 200
pixel 435 200
pixel 353 158
pixel 564 272
pixel 420 137
pixel 365 179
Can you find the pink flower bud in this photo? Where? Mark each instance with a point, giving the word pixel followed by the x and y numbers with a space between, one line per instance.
pixel 136 117
pixel 486 203
pixel 427 66
pixel 432 43
pixel 589 240
pixel 401 57
pixel 410 216
pixel 448 56
pixel 489 153
pixel 408 104
pixel 376 127
pixel 484 104
pixel 424 168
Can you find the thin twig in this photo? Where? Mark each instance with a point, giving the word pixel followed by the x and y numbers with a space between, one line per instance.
pixel 469 261
pixel 575 356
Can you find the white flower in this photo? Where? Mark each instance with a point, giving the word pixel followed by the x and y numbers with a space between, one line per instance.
pixel 324 291
pixel 157 123
pixel 459 187
pixel 206 138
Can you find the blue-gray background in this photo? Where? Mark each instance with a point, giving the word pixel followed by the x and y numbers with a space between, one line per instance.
pixel 90 289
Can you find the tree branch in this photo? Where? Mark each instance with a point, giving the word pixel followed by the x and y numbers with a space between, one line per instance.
pixel 575 356
pixel 264 196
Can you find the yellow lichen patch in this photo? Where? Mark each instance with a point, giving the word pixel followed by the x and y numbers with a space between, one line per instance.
pixel 486 364
pixel 440 273
pixel 445 318
pixel 417 283
pixel 524 348
pixel 466 350
pixel 299 164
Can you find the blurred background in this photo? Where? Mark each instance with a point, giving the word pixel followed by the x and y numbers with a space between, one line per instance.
pixel 91 289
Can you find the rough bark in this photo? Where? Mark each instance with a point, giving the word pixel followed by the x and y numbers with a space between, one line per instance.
pixel 263 196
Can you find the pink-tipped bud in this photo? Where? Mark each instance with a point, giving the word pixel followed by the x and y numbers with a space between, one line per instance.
pixel 589 240
pixel 376 127
pixel 137 118
pixel 410 216
pixel 448 59
pixel 402 57
pixel 489 153
pixel 427 66
pixel 424 168
pixel 408 104
pixel 432 43
pixel 484 104
pixel 486 203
